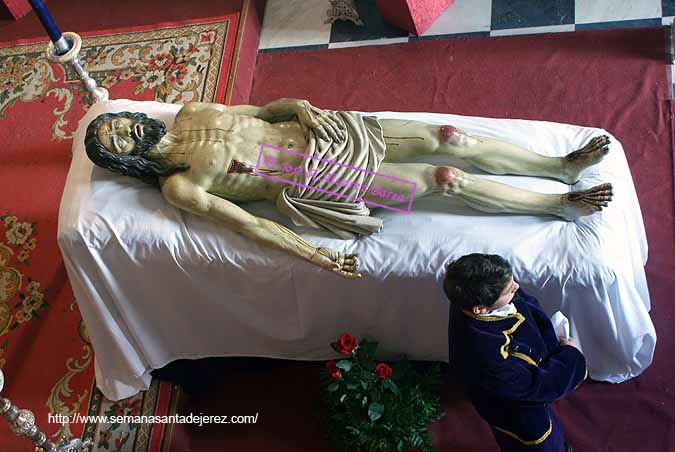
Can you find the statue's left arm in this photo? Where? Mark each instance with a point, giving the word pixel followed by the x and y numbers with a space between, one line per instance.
pixel 181 192
pixel 322 121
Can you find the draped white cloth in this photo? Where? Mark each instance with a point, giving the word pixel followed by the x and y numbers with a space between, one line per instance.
pixel 155 284
pixel 334 176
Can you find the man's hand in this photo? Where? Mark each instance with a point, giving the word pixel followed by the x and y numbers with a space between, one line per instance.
pixel 324 123
pixel 343 264
pixel 568 341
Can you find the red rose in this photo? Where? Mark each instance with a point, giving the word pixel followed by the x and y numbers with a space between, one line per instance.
pixel 335 372
pixel 383 371
pixel 346 344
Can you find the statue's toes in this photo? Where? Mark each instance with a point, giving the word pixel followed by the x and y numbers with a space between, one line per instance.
pixel 596 144
pixel 595 141
pixel 602 196
pixel 602 140
pixel 603 187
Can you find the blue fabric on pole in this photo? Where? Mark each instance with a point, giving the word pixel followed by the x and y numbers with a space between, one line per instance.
pixel 46 19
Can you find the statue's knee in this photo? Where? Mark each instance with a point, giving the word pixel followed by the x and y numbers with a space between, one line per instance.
pixel 448 178
pixel 454 136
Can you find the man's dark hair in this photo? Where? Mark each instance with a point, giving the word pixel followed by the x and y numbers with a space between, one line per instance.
pixel 134 164
pixel 476 280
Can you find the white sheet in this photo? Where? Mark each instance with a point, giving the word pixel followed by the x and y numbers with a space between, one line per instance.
pixel 155 284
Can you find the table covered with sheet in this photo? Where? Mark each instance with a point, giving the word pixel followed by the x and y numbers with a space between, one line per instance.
pixel 155 284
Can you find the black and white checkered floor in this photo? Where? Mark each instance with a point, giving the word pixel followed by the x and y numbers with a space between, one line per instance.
pixel 300 23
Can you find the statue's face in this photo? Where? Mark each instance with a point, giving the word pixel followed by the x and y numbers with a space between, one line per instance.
pixel 126 136
pixel 119 135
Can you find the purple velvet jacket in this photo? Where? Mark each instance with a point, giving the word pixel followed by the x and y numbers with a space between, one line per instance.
pixel 513 368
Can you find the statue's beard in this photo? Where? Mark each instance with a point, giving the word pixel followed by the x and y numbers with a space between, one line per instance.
pixel 153 131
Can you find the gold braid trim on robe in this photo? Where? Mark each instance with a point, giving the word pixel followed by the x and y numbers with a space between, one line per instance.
pixel 343 215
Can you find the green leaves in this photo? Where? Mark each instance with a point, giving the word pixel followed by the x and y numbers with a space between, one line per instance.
pixel 375 395
pixel 390 385
pixel 367 348
pixel 372 414
pixel 375 411
pixel 353 384
pixel 367 375
pixel 344 365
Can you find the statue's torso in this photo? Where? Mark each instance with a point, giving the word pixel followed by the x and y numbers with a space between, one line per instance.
pixel 213 142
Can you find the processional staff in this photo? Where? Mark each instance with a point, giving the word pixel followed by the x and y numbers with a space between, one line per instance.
pixel 22 423
pixel 65 49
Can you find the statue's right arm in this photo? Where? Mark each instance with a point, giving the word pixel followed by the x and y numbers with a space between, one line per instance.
pixel 274 111
pixel 182 193
pixel 278 110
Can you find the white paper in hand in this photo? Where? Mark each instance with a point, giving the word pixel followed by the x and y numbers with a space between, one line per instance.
pixel 561 325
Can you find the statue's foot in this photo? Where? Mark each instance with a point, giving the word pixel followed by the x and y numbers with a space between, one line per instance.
pixel 576 162
pixel 585 202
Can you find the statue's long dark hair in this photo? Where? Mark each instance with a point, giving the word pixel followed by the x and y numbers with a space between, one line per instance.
pixel 134 164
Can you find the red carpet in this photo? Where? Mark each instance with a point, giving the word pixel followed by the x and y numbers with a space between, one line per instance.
pixel 45 351
pixel 86 16
pixel 610 79
pixel 83 16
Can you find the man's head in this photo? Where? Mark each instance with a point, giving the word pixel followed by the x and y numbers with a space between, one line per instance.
pixel 479 283
pixel 120 141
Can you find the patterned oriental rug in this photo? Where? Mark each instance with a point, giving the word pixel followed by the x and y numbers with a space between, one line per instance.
pixel 45 351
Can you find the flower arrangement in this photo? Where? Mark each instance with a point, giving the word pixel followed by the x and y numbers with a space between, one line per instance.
pixel 377 407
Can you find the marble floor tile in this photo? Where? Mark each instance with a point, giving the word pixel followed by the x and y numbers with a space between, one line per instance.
pixel 369 42
pixel 474 34
pixel 533 30
pixel 464 16
pixel 290 23
pixel 631 23
pixel 588 11
pixel 374 26
pixel 668 7
pixel 510 14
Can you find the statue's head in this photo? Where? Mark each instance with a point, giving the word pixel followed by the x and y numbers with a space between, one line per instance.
pixel 120 141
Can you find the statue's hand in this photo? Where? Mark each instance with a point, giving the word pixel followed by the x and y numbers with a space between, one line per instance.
pixel 343 264
pixel 323 122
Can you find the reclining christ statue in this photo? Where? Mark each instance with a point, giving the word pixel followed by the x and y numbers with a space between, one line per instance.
pixel 207 162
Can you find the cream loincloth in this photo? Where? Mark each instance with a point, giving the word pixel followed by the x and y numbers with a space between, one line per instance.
pixel 343 215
